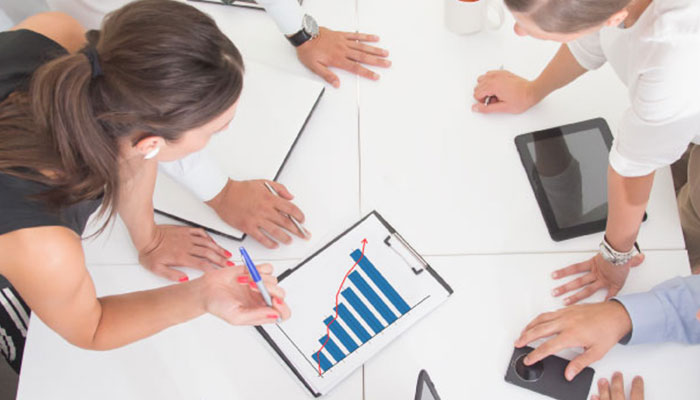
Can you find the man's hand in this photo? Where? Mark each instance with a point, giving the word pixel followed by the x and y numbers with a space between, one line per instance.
pixel 595 327
pixel 599 274
pixel 616 391
pixel 250 207
pixel 343 50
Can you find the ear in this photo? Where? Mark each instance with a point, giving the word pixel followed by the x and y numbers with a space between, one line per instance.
pixel 149 145
pixel 698 315
pixel 617 18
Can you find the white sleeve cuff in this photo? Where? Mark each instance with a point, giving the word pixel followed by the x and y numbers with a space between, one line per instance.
pixel 287 14
pixel 628 168
pixel 198 174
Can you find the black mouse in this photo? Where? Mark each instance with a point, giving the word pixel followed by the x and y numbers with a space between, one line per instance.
pixel 529 373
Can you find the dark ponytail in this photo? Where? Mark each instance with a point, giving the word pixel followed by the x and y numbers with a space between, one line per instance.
pixel 165 68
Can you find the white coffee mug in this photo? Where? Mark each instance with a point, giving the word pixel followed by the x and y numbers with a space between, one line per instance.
pixel 465 17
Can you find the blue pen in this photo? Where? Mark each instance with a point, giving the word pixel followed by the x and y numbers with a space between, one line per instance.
pixel 255 275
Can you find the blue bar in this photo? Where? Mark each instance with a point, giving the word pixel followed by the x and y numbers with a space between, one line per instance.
pixel 353 323
pixel 325 364
pixel 332 348
pixel 381 282
pixel 362 309
pixel 340 333
pixel 372 296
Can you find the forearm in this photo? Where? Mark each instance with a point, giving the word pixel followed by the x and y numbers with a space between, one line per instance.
pixel 130 317
pixel 561 70
pixel 627 202
pixel 136 206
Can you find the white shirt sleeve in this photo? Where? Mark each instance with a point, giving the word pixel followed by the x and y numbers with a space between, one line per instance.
pixel 287 14
pixel 660 123
pixel 197 173
pixel 588 51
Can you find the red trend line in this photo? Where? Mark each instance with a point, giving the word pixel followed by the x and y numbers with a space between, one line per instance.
pixel 328 327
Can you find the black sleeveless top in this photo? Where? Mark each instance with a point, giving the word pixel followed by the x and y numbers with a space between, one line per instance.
pixel 21 53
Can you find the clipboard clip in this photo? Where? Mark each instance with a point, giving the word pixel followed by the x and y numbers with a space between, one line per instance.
pixel 399 245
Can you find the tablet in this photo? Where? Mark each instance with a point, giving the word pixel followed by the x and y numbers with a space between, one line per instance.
pixel 425 390
pixel 567 168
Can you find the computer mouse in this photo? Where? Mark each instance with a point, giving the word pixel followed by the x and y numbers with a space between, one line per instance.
pixel 529 373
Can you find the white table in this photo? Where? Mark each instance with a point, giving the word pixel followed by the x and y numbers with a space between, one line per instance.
pixel 202 359
pixel 467 343
pixel 450 181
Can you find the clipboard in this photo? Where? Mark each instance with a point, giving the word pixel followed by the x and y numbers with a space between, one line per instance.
pixel 236 3
pixel 268 139
pixel 359 312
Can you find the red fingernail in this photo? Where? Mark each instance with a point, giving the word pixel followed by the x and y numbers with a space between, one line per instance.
pixel 184 279
pixel 230 264
pixel 272 316
pixel 228 254
pixel 278 301
pixel 252 284
pixel 242 279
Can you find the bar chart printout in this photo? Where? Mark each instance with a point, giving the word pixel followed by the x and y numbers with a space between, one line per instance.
pixel 370 304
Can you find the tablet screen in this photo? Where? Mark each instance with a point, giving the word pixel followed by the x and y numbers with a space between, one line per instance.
pixel 572 168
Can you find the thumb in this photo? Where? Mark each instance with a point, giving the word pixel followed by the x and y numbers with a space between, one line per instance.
pixel 579 363
pixel 637 260
pixel 325 73
pixel 170 273
pixel 497 107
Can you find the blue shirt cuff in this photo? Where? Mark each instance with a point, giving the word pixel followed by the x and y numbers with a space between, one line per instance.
pixel 647 315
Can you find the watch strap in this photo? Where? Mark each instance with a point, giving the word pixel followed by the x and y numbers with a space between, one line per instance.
pixel 299 38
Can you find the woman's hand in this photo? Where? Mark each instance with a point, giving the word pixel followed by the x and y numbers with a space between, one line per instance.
pixel 182 247
pixel 252 208
pixel 344 50
pixel 599 274
pixel 509 93
pixel 616 391
pixel 595 327
pixel 232 296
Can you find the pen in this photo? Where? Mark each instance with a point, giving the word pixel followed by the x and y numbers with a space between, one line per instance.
pixel 489 98
pixel 294 221
pixel 255 276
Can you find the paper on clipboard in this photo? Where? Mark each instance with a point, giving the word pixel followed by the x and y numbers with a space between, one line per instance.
pixel 389 289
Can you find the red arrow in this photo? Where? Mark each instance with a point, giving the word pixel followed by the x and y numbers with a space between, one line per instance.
pixel 328 327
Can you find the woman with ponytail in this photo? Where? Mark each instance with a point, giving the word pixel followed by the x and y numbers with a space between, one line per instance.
pixel 82 127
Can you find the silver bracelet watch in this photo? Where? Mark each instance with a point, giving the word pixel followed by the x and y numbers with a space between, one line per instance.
pixel 615 257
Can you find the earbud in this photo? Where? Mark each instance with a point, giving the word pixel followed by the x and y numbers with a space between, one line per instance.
pixel 152 153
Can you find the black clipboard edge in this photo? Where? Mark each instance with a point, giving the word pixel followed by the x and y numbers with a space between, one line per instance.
pixel 279 171
pixel 289 271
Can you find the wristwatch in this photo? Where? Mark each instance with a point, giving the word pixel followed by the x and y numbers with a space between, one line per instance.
pixel 615 257
pixel 309 30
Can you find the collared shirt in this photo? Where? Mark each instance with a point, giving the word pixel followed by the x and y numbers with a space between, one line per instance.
pixel 666 313
pixel 657 58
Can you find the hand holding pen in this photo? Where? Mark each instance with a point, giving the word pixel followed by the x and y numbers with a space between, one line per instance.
pixel 256 282
pixel 501 91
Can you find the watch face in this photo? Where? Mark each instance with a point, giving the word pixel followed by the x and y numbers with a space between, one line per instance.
pixel 310 26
